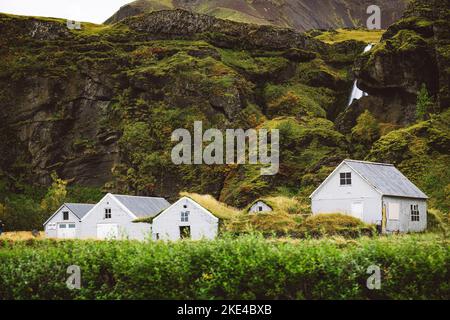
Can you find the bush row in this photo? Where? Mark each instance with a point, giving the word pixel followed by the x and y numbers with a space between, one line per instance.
pixel 250 267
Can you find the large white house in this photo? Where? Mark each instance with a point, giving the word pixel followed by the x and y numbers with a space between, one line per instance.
pixel 376 193
pixel 185 219
pixel 111 218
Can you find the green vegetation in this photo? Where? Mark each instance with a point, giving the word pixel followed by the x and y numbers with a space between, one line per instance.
pixel 335 225
pixel 424 103
pixel 340 35
pixel 421 153
pixel 29 207
pixel 412 267
pixel 364 134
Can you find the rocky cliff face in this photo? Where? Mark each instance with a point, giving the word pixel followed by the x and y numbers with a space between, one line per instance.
pixel 98 106
pixel 301 15
pixel 413 52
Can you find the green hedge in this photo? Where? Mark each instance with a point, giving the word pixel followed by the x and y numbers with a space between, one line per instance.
pixel 412 266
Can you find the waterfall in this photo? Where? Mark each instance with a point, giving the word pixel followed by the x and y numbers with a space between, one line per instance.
pixel 356 92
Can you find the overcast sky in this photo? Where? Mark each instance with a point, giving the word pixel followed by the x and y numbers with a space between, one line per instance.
pixel 95 11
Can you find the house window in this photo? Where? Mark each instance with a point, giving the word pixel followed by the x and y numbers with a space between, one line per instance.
pixel 65 215
pixel 415 215
pixel 346 179
pixel 108 214
pixel 185 216
pixel 62 226
pixel 260 209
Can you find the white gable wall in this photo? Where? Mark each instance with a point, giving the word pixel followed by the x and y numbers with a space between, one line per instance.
pixel 404 223
pixel 331 197
pixel 53 224
pixel 202 223
pixel 120 216
pixel 255 208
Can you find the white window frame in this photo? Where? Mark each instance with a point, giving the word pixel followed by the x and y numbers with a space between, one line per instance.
pixel 415 213
pixel 108 213
pixel 185 216
pixel 347 179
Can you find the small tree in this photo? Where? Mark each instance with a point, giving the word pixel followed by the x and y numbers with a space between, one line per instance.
pixel 56 194
pixel 424 103
pixel 367 128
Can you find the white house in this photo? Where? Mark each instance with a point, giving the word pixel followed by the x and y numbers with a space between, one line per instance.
pixel 65 223
pixel 260 206
pixel 376 193
pixel 185 219
pixel 113 216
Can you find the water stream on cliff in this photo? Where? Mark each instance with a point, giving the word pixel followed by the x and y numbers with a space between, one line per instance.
pixel 356 92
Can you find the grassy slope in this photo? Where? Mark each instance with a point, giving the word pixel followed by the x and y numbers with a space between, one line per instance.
pixel 341 35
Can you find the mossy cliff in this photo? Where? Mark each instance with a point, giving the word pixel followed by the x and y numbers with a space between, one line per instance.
pixel 301 15
pixel 98 105
pixel 415 51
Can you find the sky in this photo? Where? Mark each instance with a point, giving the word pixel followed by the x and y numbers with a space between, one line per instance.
pixel 96 11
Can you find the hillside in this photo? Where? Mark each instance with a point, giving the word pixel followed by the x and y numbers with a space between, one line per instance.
pixel 301 15
pixel 97 106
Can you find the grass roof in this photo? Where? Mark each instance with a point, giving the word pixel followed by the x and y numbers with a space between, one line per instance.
pixel 219 209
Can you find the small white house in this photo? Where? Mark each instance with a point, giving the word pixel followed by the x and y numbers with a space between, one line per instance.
pixel 65 223
pixel 376 193
pixel 113 216
pixel 260 206
pixel 185 219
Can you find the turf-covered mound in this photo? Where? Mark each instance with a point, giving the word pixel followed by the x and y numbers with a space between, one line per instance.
pixel 335 224
pixel 269 223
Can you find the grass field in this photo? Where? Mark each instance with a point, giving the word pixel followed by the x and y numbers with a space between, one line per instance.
pixel 20 235
pixel 340 35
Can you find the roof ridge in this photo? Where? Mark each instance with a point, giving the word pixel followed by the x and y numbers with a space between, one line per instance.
pixel 369 162
pixel 126 195
pixel 86 204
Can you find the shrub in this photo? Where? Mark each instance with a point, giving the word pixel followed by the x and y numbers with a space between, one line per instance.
pixel 412 267
pixel 335 224
pixel 436 221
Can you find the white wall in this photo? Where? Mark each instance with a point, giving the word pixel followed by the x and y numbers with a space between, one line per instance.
pixel 255 208
pixel 120 216
pixel 404 223
pixel 58 218
pixel 334 198
pixel 203 224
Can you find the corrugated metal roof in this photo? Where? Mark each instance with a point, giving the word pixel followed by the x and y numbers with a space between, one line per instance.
pixel 143 206
pixel 79 209
pixel 386 178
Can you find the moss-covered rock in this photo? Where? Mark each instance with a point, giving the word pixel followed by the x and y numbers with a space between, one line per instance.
pixel 421 153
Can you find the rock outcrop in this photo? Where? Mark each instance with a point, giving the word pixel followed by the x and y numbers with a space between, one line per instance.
pixel 413 52
pixel 98 105
pixel 301 15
